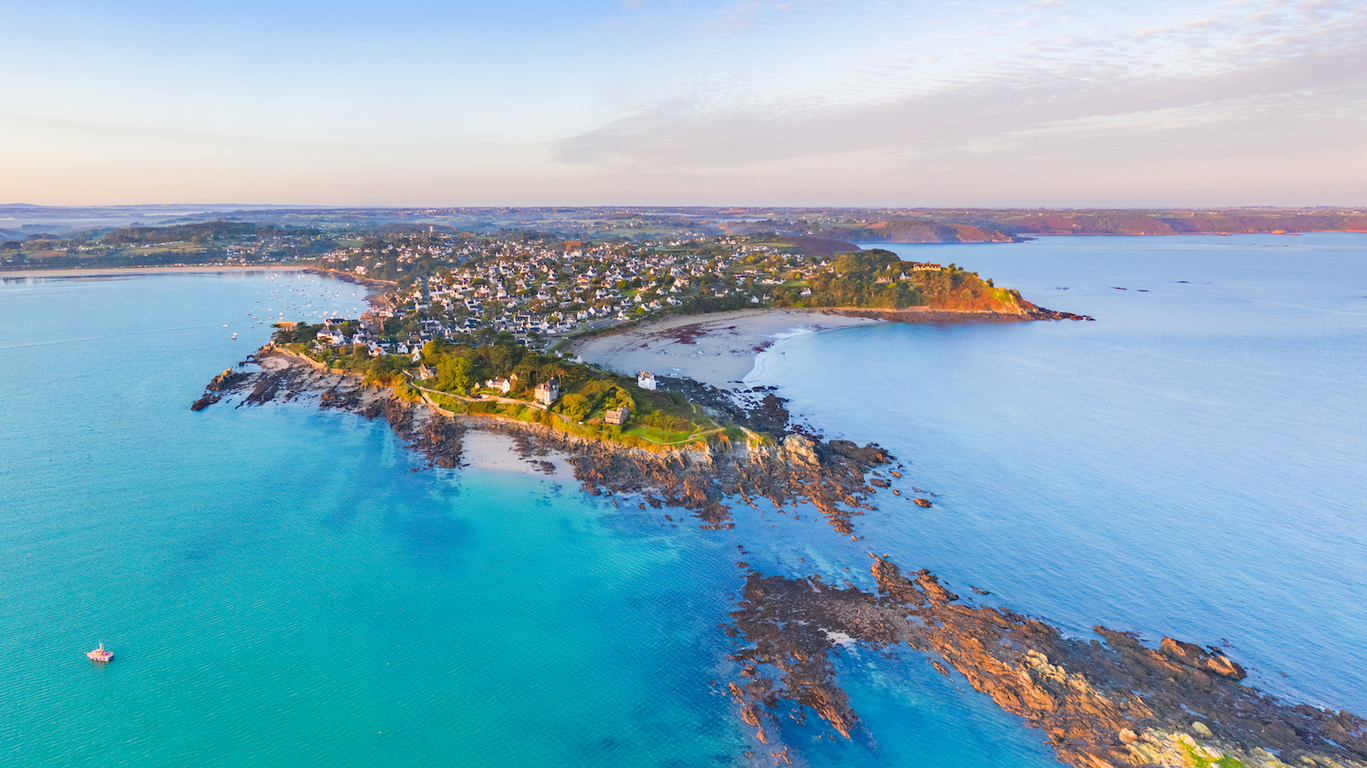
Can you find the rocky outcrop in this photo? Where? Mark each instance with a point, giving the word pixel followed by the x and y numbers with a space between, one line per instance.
pixel 1194 656
pixel 204 402
pixel 797 448
pixel 1112 703
pixel 1040 313
pixel 226 380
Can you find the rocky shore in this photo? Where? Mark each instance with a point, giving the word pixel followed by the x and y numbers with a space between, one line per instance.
pixel 1108 701
pixel 831 476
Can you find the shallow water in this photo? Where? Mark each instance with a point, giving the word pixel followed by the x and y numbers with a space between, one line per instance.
pixel 1193 463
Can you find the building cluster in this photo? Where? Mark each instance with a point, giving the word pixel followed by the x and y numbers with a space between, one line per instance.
pixel 538 289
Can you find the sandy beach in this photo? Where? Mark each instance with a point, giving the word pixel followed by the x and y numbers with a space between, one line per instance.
pixel 487 450
pixel 717 349
pixel 137 271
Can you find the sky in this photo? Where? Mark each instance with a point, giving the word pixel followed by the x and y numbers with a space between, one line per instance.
pixel 656 102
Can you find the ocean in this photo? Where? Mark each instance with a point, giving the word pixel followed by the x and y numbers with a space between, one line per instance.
pixel 1193 463
pixel 279 587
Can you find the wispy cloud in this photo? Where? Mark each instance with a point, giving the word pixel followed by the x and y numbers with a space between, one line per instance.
pixel 1253 92
pixel 1029 93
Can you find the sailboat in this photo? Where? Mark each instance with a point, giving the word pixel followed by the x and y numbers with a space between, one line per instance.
pixel 99 654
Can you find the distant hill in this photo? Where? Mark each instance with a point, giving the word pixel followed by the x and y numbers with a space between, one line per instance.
pixel 816 247
pixel 203 232
pixel 1176 222
pixel 920 231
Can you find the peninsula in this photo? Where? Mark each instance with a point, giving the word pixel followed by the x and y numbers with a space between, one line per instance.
pixel 700 454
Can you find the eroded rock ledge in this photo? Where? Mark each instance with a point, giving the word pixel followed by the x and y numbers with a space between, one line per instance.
pixel 1112 703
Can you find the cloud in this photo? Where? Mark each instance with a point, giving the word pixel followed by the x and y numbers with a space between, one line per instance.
pixel 746 16
pixel 1096 115
pixel 680 133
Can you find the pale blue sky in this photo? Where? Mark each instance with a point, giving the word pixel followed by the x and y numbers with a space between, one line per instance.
pixel 826 102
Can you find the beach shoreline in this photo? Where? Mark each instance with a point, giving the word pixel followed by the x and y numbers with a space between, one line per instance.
pixel 495 452
pixel 722 349
pixel 718 349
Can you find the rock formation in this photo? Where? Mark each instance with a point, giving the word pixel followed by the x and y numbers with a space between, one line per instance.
pixel 1101 704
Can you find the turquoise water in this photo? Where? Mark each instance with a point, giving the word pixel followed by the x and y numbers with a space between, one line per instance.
pixel 1193 463
pixel 280 589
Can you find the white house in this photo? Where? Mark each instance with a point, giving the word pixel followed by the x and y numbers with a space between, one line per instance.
pixel 645 380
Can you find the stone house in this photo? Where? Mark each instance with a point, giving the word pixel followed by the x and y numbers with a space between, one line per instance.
pixel 547 392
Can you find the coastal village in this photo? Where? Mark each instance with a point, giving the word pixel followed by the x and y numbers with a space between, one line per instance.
pixel 542 291
pixel 474 323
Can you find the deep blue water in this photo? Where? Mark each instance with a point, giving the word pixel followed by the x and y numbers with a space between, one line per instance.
pixel 1193 463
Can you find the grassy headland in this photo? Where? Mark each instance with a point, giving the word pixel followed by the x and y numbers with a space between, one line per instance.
pixel 470 379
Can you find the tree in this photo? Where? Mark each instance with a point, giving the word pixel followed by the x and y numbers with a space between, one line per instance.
pixel 575 406
pixel 454 374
